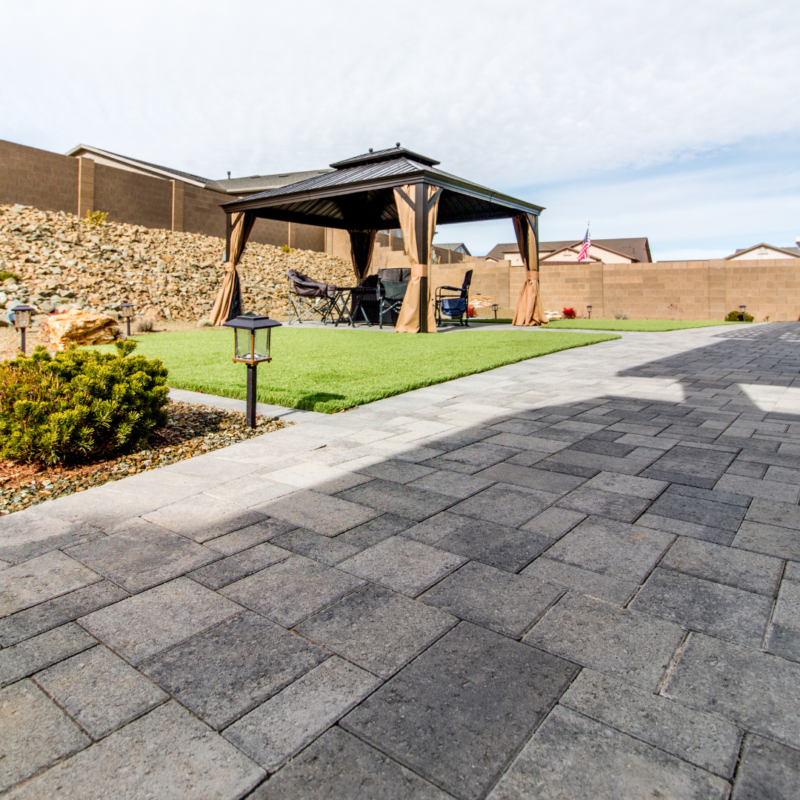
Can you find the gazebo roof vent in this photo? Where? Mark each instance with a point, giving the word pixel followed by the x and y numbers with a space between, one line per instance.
pixel 390 154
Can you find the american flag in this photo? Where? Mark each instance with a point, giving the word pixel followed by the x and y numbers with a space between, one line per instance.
pixel 587 243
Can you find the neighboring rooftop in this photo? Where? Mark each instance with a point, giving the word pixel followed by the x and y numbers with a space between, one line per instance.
pixel 638 249
pixel 456 247
pixel 764 251
pixel 234 186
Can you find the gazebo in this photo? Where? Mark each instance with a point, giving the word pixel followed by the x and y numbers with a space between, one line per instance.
pixel 382 190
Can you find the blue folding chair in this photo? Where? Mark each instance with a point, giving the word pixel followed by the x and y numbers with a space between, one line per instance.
pixel 453 303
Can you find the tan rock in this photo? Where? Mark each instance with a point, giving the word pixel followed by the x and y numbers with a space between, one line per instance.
pixel 80 328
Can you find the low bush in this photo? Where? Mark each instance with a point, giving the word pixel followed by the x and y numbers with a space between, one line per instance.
pixel 286 249
pixel 736 316
pixel 80 404
pixel 4 276
pixel 95 218
pixel 568 313
pixel 620 315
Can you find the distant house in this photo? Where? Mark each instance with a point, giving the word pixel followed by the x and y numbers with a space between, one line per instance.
pixel 762 250
pixel 602 251
pixel 456 247
pixel 232 186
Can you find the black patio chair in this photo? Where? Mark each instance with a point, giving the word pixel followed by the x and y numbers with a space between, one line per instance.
pixel 391 295
pixel 453 302
pixel 309 299
pixel 364 299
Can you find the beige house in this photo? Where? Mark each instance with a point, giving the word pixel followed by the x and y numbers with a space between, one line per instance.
pixel 761 251
pixel 601 251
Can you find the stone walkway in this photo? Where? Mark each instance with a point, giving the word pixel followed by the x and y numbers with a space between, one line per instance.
pixel 573 577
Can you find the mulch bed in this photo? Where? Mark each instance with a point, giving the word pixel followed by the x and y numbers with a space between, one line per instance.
pixel 192 431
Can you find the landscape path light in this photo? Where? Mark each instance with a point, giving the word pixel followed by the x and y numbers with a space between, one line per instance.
pixel 126 312
pixel 742 308
pixel 252 345
pixel 494 308
pixel 22 321
pixel 589 309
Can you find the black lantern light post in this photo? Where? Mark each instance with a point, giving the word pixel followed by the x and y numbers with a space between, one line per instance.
pixel 494 308
pixel 126 312
pixel 589 310
pixel 252 345
pixel 22 321
pixel 742 309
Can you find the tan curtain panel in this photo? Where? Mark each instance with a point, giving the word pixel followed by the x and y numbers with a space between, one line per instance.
pixel 528 311
pixel 417 314
pixel 362 243
pixel 228 297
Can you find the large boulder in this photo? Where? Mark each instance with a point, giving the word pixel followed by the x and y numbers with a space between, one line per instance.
pixel 80 328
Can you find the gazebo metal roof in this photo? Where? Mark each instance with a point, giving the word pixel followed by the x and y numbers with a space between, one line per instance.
pixel 358 194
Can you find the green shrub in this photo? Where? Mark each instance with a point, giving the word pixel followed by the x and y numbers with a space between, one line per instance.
pixel 95 218
pixel 79 405
pixel 736 316
pixel 286 249
pixel 4 276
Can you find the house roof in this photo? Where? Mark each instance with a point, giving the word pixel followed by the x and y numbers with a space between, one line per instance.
pixel 638 249
pixel 793 252
pixel 453 246
pixel 358 192
pixel 237 186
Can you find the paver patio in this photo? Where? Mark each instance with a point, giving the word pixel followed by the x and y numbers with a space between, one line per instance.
pixel 572 577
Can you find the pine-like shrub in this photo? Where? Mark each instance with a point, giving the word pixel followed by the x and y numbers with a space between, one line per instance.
pixel 79 405
pixel 736 316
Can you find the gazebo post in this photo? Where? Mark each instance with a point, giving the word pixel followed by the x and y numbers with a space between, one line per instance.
pixel 421 223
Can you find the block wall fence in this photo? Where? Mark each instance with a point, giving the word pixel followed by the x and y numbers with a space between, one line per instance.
pixel 54 182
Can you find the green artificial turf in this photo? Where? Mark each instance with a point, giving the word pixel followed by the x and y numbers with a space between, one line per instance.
pixel 648 325
pixel 330 370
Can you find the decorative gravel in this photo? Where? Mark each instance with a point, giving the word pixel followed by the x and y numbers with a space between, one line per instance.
pixel 192 431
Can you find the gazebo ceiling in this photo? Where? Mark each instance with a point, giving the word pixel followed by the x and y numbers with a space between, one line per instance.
pixel 359 194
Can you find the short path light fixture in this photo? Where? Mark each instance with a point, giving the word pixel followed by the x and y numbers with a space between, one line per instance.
pixel 126 312
pixel 22 321
pixel 252 345
pixel 494 308
pixel 742 309
pixel 589 310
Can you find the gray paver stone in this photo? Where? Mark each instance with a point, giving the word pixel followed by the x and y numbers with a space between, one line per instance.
pixel 59 610
pixel 450 719
pixel 705 606
pixel 239 565
pixel 99 690
pixel 645 488
pixel 250 536
pixel 749 571
pixel 493 598
pixel 40 579
pixel 34 733
pixel 700 512
pixel 756 691
pixel 339 765
pixel 605 504
pixel 27 534
pixel 604 587
pixel 612 548
pixel 452 484
pixel 771 540
pixel 203 517
pixel 377 629
pixel 145 624
pixel 403 565
pixel 769 771
pixel 506 505
pixel 395 498
pixel 142 555
pixel 679 527
pixel 705 740
pixel 785 515
pixel 292 590
pixel 540 479
pixel 228 670
pixel 282 726
pixel 168 754
pixel 554 522
pixel 321 513
pixel 572 756
pixel 609 639
pixel 784 638
pixel 41 651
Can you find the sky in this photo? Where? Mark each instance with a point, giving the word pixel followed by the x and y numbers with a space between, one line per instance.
pixel 677 121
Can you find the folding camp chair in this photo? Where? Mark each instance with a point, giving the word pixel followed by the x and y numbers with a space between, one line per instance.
pixel 309 299
pixel 453 302
pixel 391 298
